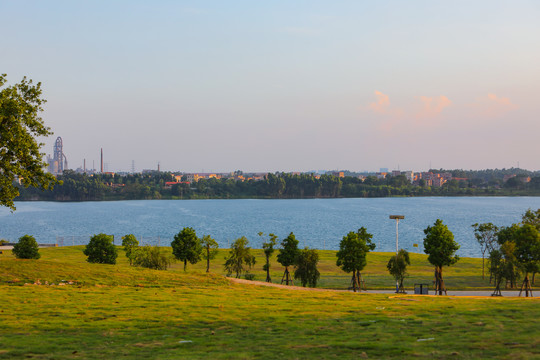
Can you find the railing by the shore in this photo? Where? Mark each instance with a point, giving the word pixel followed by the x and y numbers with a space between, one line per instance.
pixel 157 240
pixel 73 240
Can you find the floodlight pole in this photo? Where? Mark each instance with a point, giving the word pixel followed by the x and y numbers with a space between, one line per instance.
pixel 397 218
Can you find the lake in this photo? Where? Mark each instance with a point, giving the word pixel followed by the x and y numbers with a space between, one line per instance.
pixel 317 223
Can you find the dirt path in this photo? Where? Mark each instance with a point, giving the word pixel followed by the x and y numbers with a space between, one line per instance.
pixel 263 283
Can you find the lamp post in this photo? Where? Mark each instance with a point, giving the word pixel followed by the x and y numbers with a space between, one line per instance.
pixel 397 218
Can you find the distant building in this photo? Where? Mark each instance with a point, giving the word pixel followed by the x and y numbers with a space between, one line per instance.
pixel 435 180
pixel 58 162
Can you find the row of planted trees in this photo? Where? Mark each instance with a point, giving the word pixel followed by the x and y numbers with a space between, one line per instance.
pixel 514 251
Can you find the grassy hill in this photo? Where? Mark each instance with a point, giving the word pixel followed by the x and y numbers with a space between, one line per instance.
pixel 466 274
pixel 112 311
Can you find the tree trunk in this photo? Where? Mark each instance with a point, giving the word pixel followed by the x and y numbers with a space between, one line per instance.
pixel 286 276
pixel 354 281
pixel 185 265
pixel 359 281
pixel 482 266
pixel 268 279
pixel 401 287
pixel 497 291
pixel 439 282
pixel 526 286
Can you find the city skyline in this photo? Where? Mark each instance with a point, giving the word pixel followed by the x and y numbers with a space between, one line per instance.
pixel 103 166
pixel 283 86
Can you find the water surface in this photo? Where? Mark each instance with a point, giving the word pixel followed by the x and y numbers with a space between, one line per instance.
pixel 317 223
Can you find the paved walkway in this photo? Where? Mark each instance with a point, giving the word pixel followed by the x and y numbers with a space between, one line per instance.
pixel 449 293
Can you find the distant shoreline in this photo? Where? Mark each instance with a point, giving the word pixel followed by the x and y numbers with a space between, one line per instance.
pixel 283 198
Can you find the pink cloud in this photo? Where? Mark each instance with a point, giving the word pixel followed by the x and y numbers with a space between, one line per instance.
pixel 432 107
pixel 382 104
pixel 492 106
pixel 391 117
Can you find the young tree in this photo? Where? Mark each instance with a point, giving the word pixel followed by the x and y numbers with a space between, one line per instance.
pixel 210 249
pixel 440 246
pixel 486 235
pixel 352 253
pixel 187 246
pixel 101 250
pixel 130 244
pixel 306 267
pixel 503 264
pixel 506 240
pixel 26 248
pixel 20 124
pixel 239 257
pixel 287 256
pixel 268 248
pixel 527 253
pixel 397 267
pixel 532 218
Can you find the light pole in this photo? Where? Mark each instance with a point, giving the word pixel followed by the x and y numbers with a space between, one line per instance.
pixel 397 218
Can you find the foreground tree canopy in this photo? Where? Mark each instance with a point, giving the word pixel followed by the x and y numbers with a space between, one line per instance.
pixel 26 248
pixel 130 244
pixel 101 250
pixel 306 267
pixel 352 253
pixel 268 248
pixel 397 267
pixel 210 249
pixel 20 124
pixel 187 246
pixel 287 256
pixel 441 248
pixel 239 258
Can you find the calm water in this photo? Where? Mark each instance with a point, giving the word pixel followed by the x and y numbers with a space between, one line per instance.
pixel 317 223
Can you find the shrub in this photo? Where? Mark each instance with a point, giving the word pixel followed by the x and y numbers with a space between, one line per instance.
pixel 249 276
pixel 152 258
pixel 3 242
pixel 26 248
pixel 101 250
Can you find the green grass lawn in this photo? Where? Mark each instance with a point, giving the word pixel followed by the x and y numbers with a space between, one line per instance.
pixel 114 311
pixel 466 274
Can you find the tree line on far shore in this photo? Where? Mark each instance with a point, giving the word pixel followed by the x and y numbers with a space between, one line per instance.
pixel 514 253
pixel 82 187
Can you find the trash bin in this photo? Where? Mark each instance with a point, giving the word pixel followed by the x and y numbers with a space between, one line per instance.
pixel 421 289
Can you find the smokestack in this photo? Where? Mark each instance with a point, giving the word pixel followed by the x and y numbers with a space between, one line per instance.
pixel 84 166
pixel 102 160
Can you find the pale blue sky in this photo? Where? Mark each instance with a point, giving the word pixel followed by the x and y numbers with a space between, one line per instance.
pixel 283 85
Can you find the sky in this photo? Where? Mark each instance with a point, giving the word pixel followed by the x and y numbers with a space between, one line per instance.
pixel 217 86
